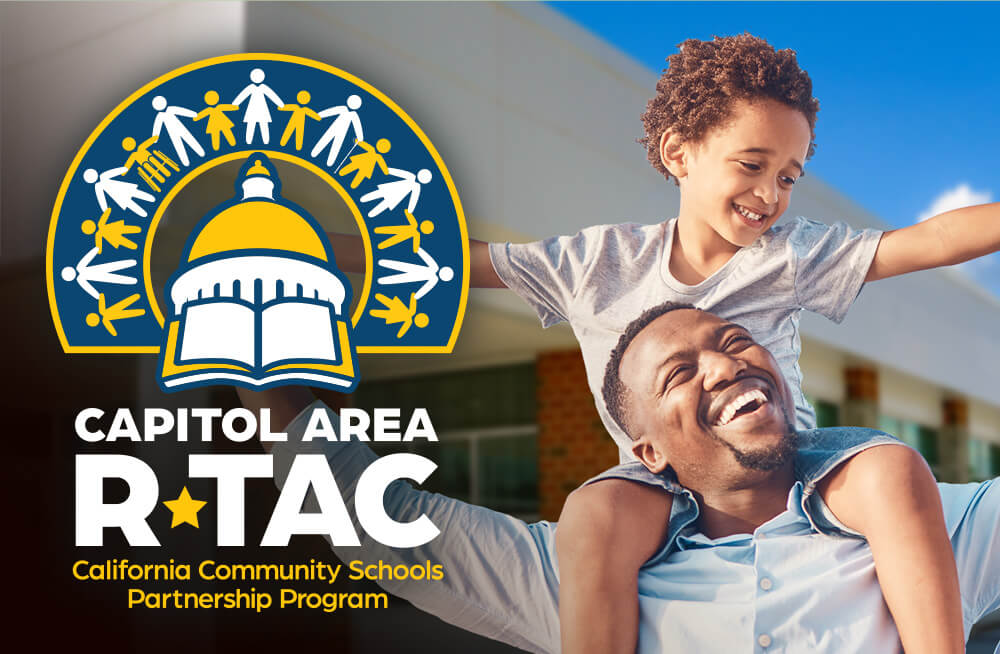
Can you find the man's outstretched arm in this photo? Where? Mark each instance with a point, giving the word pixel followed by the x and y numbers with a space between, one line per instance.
pixel 500 577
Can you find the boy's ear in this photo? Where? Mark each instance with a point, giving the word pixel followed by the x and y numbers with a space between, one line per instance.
pixel 673 155
pixel 650 455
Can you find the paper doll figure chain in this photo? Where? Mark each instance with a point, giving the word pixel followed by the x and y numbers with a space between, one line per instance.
pixel 347 117
pixel 218 123
pixel 409 231
pixel 111 233
pixel 429 273
pixel 258 113
pixel 395 312
pixel 124 194
pixel 297 121
pixel 103 273
pixel 152 165
pixel 117 311
pixel 392 193
pixel 365 162
pixel 170 118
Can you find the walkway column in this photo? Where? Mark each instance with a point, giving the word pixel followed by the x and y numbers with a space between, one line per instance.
pixel 573 445
pixel 861 401
pixel 953 443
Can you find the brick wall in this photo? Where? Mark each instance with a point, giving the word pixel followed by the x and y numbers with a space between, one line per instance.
pixel 572 443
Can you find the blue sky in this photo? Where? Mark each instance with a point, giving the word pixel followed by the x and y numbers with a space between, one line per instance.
pixel 909 92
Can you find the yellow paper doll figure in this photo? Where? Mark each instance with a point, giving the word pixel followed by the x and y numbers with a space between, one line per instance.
pixel 297 121
pixel 366 161
pixel 117 311
pixel 218 122
pixel 403 232
pixel 111 233
pixel 397 312
pixel 152 165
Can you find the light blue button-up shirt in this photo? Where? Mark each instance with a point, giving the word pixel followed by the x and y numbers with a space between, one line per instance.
pixel 800 583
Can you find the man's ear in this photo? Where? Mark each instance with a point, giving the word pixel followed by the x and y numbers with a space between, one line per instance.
pixel 673 154
pixel 650 455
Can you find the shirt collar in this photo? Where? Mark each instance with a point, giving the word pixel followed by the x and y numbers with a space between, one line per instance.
pixel 792 520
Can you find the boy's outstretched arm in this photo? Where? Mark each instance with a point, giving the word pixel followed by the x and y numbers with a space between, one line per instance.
pixel 946 239
pixel 482 274
pixel 606 532
pixel 888 494
pixel 350 253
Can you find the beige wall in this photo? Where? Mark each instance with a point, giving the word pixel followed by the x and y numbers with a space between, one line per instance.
pixel 536 120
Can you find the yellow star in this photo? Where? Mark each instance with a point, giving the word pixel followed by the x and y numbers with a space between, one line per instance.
pixel 184 509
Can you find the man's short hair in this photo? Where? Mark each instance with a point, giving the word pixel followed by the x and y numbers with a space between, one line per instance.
pixel 705 79
pixel 614 390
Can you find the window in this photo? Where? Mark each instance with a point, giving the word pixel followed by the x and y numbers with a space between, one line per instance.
pixel 984 459
pixel 487 449
pixel 922 438
pixel 827 413
pixel 496 467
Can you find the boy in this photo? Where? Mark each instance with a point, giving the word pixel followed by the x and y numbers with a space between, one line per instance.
pixel 732 125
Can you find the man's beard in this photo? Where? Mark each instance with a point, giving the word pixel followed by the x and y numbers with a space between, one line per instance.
pixel 766 459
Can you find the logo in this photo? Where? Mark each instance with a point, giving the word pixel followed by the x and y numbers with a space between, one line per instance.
pixel 196 222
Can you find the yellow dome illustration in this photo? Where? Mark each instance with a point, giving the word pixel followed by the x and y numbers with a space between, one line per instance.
pixel 257 222
pixel 253 225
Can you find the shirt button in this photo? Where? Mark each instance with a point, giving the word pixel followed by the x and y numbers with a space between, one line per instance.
pixel 766 584
pixel 764 640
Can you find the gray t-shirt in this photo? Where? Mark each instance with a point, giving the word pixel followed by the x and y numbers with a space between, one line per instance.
pixel 604 277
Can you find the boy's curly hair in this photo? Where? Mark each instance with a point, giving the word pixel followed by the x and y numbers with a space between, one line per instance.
pixel 705 78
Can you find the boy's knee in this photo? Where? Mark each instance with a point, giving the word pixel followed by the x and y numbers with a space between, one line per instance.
pixel 590 511
pixel 892 464
pixel 613 515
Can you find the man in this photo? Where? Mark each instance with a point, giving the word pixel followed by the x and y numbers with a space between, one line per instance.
pixel 752 560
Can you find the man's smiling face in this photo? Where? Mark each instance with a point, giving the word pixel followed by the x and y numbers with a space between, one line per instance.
pixel 704 397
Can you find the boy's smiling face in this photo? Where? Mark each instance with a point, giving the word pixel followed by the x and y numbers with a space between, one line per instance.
pixel 737 181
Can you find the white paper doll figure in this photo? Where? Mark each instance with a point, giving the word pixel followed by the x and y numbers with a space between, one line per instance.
pixel 169 117
pixel 258 113
pixel 103 273
pixel 347 117
pixel 392 193
pixel 429 273
pixel 123 193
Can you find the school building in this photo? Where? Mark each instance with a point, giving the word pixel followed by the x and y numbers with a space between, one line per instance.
pixel 536 119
